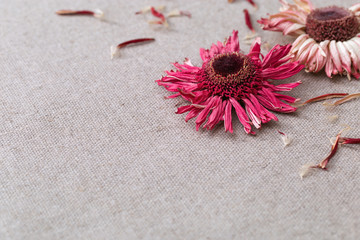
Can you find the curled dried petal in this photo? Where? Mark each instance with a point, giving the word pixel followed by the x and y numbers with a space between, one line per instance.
pixel 114 50
pixel 325 96
pixel 346 99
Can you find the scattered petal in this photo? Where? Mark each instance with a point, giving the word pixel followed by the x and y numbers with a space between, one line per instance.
pixel 248 20
pixel 96 13
pixel 148 9
pixel 253 4
pixel 178 13
pixel 346 99
pixel 115 50
pixel 285 138
pixel 159 15
pixel 306 170
pixel 325 97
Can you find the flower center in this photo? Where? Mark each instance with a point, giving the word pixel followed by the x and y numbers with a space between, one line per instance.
pixel 229 68
pixel 230 75
pixel 332 23
pixel 228 64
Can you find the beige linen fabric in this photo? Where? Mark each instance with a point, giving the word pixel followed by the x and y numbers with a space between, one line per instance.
pixel 91 150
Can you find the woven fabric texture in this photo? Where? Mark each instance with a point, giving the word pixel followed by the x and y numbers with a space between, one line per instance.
pixel 90 149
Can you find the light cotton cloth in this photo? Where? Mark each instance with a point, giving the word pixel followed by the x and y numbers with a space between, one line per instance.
pixel 90 149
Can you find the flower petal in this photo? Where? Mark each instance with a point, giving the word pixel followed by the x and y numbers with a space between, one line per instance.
pixel 255 48
pixel 344 56
pixel 232 43
pixel 216 114
pixel 335 56
pixel 252 113
pixel 242 116
pixel 227 118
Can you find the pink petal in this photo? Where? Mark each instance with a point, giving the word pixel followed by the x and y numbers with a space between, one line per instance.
pixel 264 114
pixel 255 48
pixel 252 113
pixel 344 56
pixel 232 44
pixel 204 54
pixel 183 109
pixel 227 118
pixel 216 114
pixel 286 86
pixel 242 116
pixel 193 113
pixel 203 114
pixel 286 98
pixel 282 72
pixel 276 56
pixel 335 56
pixel 298 42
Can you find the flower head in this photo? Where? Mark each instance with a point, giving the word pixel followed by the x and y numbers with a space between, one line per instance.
pixel 327 37
pixel 229 79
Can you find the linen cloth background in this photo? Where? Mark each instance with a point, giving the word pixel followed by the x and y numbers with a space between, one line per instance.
pixel 91 150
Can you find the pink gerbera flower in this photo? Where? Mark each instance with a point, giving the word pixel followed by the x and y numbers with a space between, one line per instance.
pixel 230 79
pixel 326 37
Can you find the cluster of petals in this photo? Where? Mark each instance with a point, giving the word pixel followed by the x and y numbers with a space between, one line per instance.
pixel 251 98
pixel 335 56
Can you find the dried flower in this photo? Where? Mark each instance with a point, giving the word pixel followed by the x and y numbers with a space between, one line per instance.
pixel 115 50
pixel 285 138
pixel 328 37
pixel 96 13
pixel 230 79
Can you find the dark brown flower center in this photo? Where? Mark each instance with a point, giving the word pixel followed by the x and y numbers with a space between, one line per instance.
pixel 227 64
pixel 229 67
pixel 230 75
pixel 332 23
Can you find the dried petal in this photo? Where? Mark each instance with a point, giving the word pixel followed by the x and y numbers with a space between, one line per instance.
pixel 248 20
pixel 285 138
pixel 178 13
pixel 96 13
pixel 324 97
pixel 114 50
pixel 306 170
pixel 158 14
pixel 148 9
pixel 346 99
pixel 349 140
pixel 252 3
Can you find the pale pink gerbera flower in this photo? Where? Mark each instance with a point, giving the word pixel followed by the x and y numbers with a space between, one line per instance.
pixel 326 37
pixel 230 79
